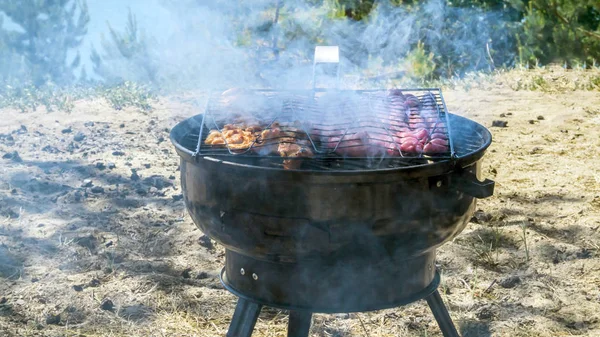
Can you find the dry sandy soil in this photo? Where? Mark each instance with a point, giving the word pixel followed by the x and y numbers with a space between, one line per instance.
pixel 95 239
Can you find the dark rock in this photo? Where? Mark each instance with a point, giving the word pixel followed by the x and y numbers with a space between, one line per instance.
pixel 22 129
pixel 480 217
pixel 67 130
pixel 3 300
pixel 34 279
pixel 134 175
pixel 100 165
pixel 93 283
pixel 502 115
pixel 77 287
pixel 50 149
pixel 108 244
pixel 485 312
pixel 118 153
pixel 13 191
pixel 89 124
pixel 509 113
pixel 206 242
pixel 147 165
pixel 510 282
pixel 90 242
pixel 177 197
pixel 97 189
pixel 53 319
pixel 14 156
pixel 79 136
pixel 531 121
pixel 160 139
pixel 87 183
pixel 172 177
pixel 186 273
pixel 122 125
pixel 500 124
pixel 107 304
pixel 141 191
pixel 112 166
pixel 202 275
pixel 540 118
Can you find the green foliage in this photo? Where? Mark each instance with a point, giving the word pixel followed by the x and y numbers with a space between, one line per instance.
pixel 128 94
pixel 420 64
pixel 45 33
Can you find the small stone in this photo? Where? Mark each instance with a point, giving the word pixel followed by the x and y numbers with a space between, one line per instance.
pixel 186 273
pixel 172 177
pixel 540 118
pixel 14 156
pixel 122 125
pixel 78 288
pixel 160 139
pixel 206 242
pixel 53 319
pixel 509 113
pixel 108 244
pixel 3 300
pixel 67 130
pixel 93 283
pixel 531 121
pixel 79 136
pixel 50 149
pixel 141 191
pixel 500 124
pixel 118 153
pixel 134 175
pixel 147 165
pixel 503 115
pixel 107 304
pixel 100 165
pixel 177 197
pixel 97 189
pixel 485 312
pixel 112 166
pixel 87 183
pixel 510 282
pixel 34 279
pixel 89 124
pixel 202 275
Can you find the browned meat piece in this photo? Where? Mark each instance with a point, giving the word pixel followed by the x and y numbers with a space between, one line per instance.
pixel 293 148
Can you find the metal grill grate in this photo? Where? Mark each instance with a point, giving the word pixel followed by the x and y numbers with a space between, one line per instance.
pixel 325 124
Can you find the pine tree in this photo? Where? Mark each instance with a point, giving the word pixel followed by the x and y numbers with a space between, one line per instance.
pixel 126 56
pixel 48 31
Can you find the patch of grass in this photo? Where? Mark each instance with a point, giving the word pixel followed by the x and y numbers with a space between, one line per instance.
pixel 129 94
pixel 30 98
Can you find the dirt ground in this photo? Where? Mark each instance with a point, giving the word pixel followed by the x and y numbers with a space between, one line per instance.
pixel 95 239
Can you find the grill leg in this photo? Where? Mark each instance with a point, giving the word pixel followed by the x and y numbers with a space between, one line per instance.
pixel 441 315
pixel 244 318
pixel 299 324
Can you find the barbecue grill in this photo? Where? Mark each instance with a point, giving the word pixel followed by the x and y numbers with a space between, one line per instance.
pixel 333 233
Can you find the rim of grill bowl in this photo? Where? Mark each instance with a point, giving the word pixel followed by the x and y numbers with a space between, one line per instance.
pixel 185 127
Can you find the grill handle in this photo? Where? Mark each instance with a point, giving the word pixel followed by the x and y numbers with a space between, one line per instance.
pixel 468 183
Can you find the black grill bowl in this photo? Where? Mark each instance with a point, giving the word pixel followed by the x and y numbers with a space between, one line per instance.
pixel 282 215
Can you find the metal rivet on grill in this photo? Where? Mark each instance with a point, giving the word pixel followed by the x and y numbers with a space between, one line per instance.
pixel 439 183
pixel 242 271
pixel 254 276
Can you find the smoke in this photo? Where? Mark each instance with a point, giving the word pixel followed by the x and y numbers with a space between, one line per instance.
pixel 219 44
